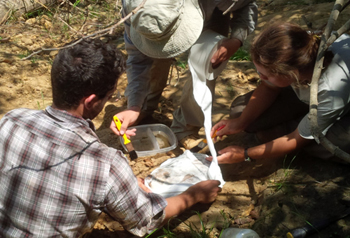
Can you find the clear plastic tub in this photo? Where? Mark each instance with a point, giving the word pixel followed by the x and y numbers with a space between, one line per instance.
pixel 152 139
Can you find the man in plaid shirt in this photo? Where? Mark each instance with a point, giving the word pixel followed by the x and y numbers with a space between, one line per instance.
pixel 57 177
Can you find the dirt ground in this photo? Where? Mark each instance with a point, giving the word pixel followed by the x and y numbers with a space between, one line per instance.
pixel 271 198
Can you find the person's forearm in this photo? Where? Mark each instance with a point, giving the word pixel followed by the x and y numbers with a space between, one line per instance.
pixel 203 192
pixel 262 99
pixel 279 147
pixel 234 45
pixel 178 205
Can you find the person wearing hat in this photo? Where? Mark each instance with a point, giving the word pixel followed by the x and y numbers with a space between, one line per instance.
pixel 163 29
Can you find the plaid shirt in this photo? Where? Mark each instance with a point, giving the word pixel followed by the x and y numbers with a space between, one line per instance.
pixel 56 177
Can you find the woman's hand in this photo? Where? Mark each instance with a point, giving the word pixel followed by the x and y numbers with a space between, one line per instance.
pixel 230 155
pixel 226 127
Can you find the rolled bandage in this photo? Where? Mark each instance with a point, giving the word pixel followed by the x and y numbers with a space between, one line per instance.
pixel 201 69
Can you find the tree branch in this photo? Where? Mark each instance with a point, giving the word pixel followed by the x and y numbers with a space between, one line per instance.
pixel 326 40
pixel 103 32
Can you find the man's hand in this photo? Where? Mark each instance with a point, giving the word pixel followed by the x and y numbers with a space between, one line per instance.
pixel 142 185
pixel 205 191
pixel 226 49
pixel 230 155
pixel 127 118
pixel 202 192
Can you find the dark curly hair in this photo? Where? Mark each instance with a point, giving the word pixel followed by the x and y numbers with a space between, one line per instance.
pixel 89 67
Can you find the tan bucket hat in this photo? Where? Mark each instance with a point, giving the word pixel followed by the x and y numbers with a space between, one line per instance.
pixel 165 28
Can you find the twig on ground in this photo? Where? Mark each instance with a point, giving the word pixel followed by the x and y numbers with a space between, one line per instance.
pixel 99 33
pixel 5 40
pixel 6 17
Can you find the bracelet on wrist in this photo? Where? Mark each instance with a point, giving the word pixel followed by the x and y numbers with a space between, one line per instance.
pixel 246 156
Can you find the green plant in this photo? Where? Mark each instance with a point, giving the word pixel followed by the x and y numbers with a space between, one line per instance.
pixel 34 60
pixel 298 214
pixel 195 232
pixel 23 55
pixel 42 98
pixel 226 223
pixel 12 16
pixel 151 233
pixel 35 13
pixel 181 64
pixel 49 14
pixel 282 184
pixel 202 231
pixel 240 54
pixel 166 232
pixel 76 3
pixel 65 28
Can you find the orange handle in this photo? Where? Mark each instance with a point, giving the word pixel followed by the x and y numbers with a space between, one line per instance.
pixel 214 135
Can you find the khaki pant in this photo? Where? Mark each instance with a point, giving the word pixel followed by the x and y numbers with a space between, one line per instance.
pixel 159 77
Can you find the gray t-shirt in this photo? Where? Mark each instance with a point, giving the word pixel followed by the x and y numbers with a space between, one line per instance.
pixel 333 90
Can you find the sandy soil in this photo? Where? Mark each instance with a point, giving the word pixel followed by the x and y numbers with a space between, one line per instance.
pixel 272 197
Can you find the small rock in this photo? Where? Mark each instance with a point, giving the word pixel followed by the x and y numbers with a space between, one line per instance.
pixel 242 221
pixel 27 41
pixel 47 25
pixel 255 214
pixel 47 18
pixel 31 21
pixel 6 60
pixel 148 163
pixel 53 53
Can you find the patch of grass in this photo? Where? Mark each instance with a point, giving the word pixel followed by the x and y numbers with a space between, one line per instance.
pixel 181 64
pixel 299 215
pixel 241 54
pixel 42 98
pixel 76 3
pixel 23 55
pixel 34 60
pixel 12 16
pixel 35 13
pixel 226 224
pixel 203 231
pixel 283 184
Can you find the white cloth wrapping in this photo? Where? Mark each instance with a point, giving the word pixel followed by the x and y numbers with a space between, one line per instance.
pixel 201 70
pixel 177 174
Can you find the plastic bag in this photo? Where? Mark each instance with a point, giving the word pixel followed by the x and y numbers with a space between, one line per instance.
pixel 177 174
